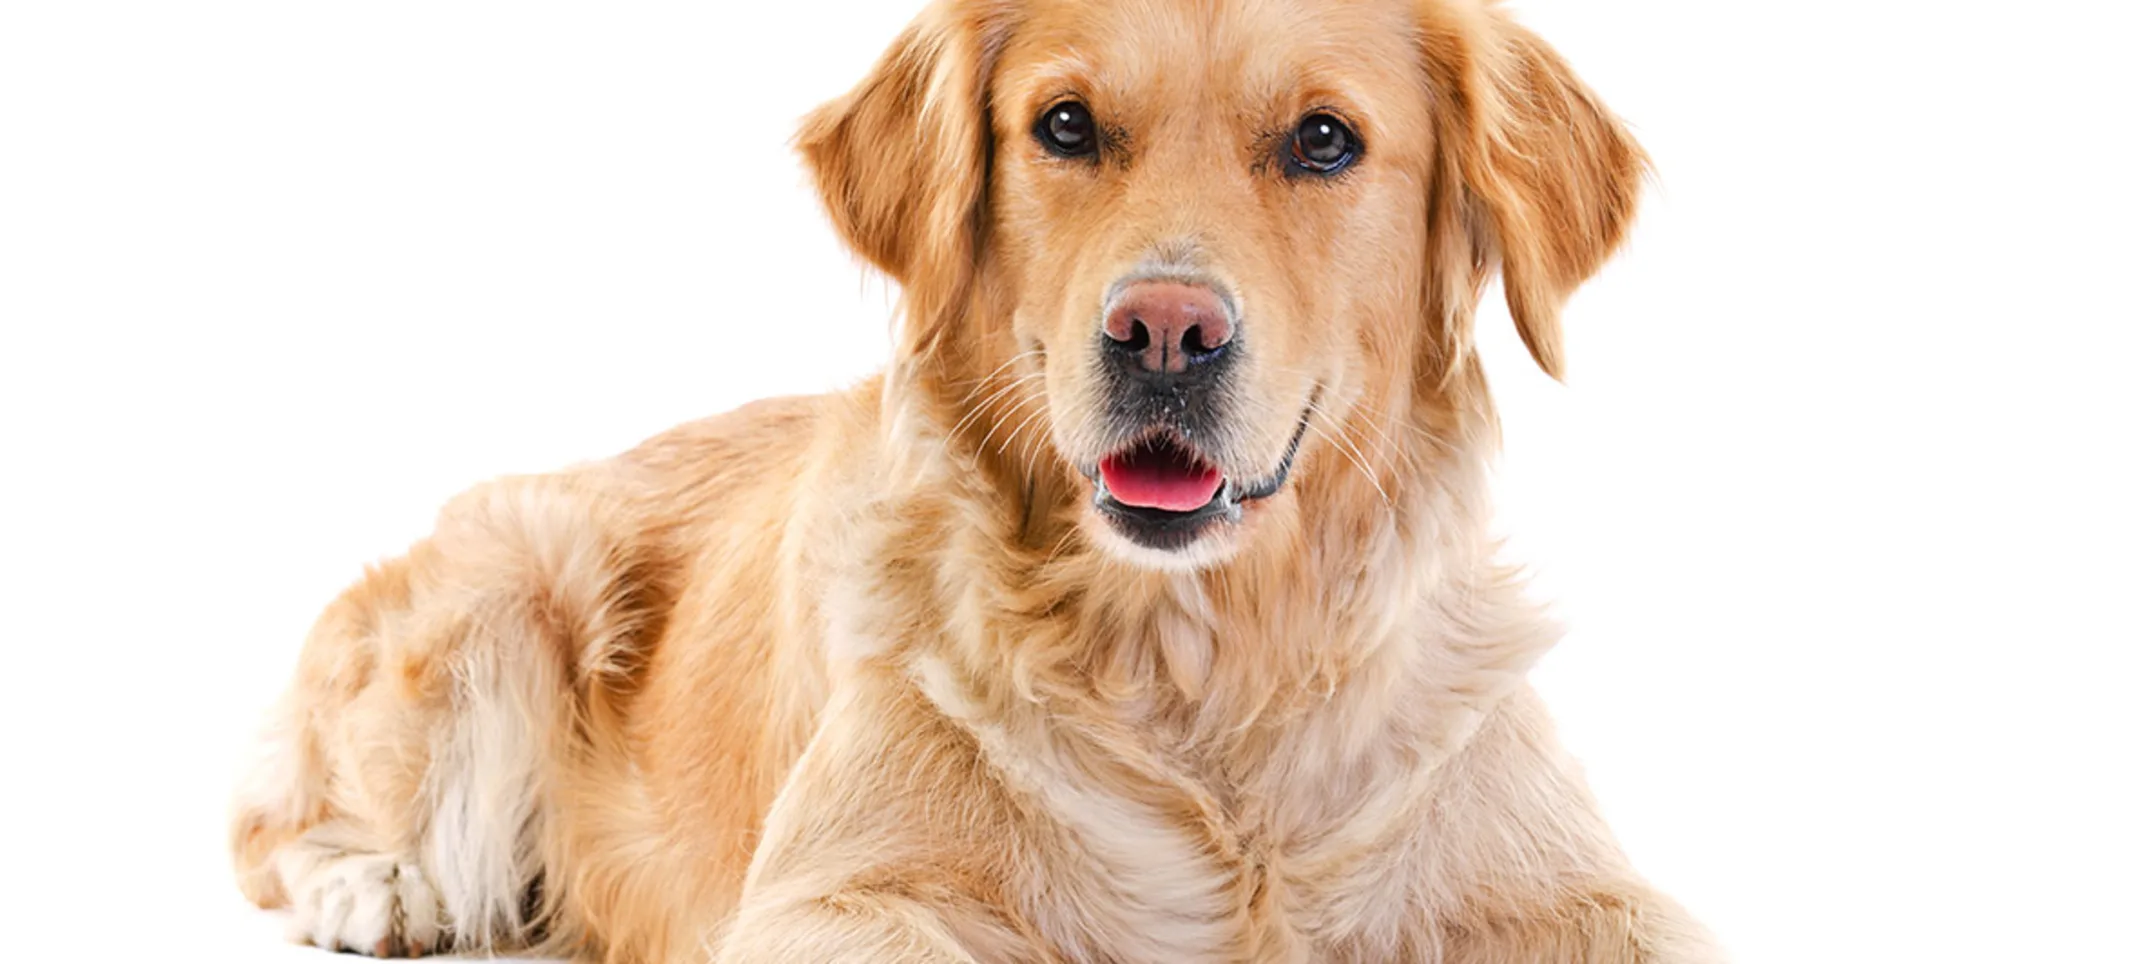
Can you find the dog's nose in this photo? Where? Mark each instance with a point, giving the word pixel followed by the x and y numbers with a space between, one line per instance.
pixel 1163 327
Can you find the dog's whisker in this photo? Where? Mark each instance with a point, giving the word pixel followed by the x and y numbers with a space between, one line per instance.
pixel 1005 447
pixel 983 381
pixel 1346 450
pixel 1341 441
pixel 1032 450
pixel 996 424
pixel 1372 421
pixel 990 401
pixel 1374 417
pixel 1344 430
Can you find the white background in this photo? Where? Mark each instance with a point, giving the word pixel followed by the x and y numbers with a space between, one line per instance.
pixel 1838 498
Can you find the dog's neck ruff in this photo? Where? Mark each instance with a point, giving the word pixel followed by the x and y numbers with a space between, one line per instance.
pixel 1356 586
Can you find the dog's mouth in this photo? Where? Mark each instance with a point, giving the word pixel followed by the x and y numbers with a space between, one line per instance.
pixel 1162 492
pixel 1161 473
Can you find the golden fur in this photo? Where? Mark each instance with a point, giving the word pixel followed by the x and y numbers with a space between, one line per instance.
pixel 862 677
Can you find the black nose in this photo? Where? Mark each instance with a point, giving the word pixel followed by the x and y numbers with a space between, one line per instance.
pixel 1165 328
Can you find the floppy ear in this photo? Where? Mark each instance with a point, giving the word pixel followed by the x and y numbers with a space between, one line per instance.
pixel 1549 176
pixel 901 160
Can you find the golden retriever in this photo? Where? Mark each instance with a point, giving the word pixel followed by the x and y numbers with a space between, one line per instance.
pixel 1144 610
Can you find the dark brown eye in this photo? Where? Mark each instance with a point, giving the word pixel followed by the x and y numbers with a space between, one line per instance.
pixel 1323 145
pixel 1066 129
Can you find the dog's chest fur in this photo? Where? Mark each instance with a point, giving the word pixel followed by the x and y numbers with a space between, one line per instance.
pixel 1156 842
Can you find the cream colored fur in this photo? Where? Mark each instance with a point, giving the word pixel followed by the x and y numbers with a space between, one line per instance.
pixel 862 677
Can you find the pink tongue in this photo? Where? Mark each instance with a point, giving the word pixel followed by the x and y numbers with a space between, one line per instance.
pixel 1153 480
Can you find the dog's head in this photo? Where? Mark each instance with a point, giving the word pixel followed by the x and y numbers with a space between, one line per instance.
pixel 1191 242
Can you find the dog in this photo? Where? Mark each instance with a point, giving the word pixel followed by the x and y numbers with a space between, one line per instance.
pixel 1143 609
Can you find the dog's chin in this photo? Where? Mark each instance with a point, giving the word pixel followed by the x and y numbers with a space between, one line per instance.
pixel 1203 551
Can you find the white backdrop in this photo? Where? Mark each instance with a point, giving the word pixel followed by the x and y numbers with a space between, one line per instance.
pixel 1838 499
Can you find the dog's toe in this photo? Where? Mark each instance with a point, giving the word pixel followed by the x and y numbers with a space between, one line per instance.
pixel 373 904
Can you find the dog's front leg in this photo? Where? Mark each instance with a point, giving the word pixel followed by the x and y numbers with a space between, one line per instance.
pixel 1625 925
pixel 1528 868
pixel 889 844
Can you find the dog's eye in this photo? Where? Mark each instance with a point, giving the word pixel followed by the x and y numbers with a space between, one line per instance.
pixel 1323 145
pixel 1067 130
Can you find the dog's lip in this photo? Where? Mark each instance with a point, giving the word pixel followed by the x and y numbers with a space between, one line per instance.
pixel 1226 502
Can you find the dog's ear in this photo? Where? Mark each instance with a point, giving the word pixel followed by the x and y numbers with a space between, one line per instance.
pixel 901 160
pixel 1547 178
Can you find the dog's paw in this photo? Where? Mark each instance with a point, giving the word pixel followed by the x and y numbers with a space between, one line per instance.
pixel 376 904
